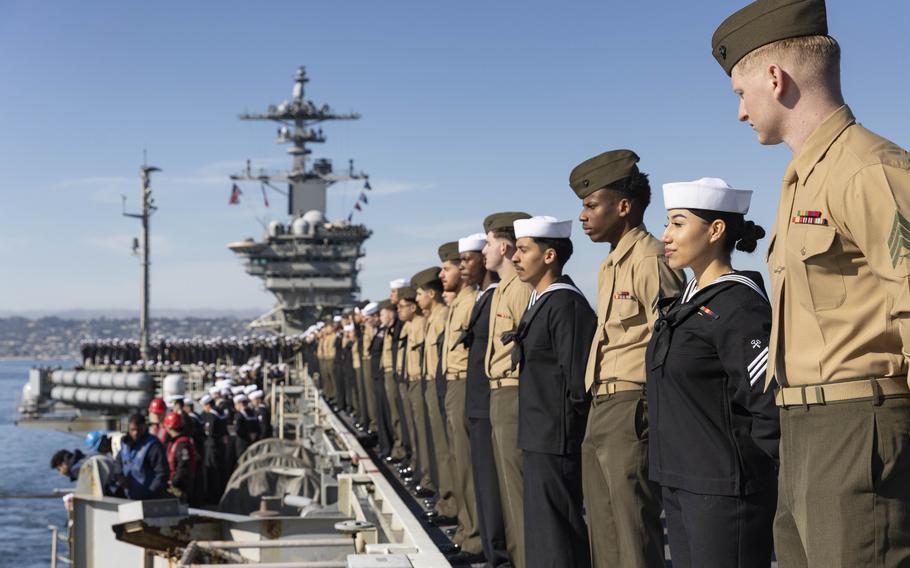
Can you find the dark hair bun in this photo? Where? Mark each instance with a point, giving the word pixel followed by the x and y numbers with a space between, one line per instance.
pixel 748 240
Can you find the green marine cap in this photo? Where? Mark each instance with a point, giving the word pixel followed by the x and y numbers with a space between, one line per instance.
pixel 408 293
pixel 425 277
pixel 763 22
pixel 602 170
pixel 502 220
pixel 386 305
pixel 449 252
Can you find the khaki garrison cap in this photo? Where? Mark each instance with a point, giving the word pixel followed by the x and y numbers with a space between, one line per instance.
pixel 763 22
pixel 503 220
pixel 449 252
pixel 425 277
pixel 408 293
pixel 602 170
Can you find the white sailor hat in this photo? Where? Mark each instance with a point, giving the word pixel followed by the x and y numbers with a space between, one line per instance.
pixel 712 194
pixel 236 390
pixel 219 374
pixel 227 391
pixel 240 398
pixel 398 283
pixel 248 389
pixel 205 400
pixel 188 401
pixel 171 398
pixel 544 227
pixel 370 309
pixel 472 243
pixel 349 327
pixel 320 325
pixel 336 319
pixel 215 391
pixel 256 394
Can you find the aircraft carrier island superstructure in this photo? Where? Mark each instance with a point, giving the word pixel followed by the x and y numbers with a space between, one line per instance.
pixel 309 263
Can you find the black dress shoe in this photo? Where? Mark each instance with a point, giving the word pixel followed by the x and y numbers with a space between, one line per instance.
pixel 465 558
pixel 450 532
pixel 390 459
pixel 423 492
pixel 449 548
pixel 441 521
pixel 430 515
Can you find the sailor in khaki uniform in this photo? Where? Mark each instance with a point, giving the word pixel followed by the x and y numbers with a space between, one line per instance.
pixel 839 272
pixel 509 302
pixel 454 367
pixel 623 506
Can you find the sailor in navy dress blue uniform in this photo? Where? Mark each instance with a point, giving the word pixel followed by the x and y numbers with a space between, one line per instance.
pixel 714 432
pixel 552 342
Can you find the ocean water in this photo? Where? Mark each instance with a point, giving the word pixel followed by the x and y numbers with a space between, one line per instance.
pixel 25 455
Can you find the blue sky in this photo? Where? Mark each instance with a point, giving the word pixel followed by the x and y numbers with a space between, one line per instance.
pixel 468 108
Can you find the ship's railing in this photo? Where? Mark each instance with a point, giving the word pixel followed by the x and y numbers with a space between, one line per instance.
pixel 56 538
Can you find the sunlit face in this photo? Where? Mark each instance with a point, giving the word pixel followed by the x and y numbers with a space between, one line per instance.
pixel 686 238
pixel 406 310
pixel 758 104
pixel 531 260
pixel 425 298
pixel 492 252
pixel 471 268
pixel 451 276
pixel 603 214
pixel 386 317
pixel 393 296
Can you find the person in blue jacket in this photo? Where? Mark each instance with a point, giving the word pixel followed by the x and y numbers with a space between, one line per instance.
pixel 141 470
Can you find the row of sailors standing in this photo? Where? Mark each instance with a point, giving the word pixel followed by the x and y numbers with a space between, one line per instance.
pixel 196 351
pixel 521 413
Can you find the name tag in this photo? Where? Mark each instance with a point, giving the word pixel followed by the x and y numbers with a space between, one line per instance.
pixel 623 296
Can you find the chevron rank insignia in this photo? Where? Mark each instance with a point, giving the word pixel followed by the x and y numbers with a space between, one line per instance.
pixel 899 239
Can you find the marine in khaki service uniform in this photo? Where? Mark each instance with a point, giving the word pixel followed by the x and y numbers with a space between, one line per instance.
pixel 623 506
pixel 509 302
pixel 429 300
pixel 411 354
pixel 839 273
pixel 454 367
pixel 391 327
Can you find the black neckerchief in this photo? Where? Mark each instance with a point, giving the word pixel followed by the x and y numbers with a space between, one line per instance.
pixel 521 332
pixel 674 313
pixel 467 336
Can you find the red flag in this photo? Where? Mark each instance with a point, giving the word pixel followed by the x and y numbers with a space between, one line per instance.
pixel 235 195
pixel 357 207
pixel 264 196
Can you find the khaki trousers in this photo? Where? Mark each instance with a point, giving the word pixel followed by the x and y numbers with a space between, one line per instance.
pixel 393 395
pixel 366 384
pixel 844 491
pixel 468 533
pixel 504 419
pixel 327 370
pixel 622 505
pixel 449 501
pixel 421 437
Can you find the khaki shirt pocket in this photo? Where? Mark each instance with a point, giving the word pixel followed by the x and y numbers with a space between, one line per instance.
pixel 815 248
pixel 629 312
